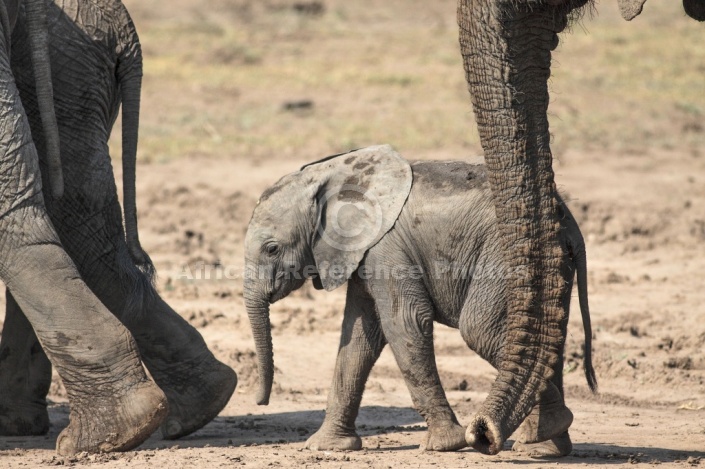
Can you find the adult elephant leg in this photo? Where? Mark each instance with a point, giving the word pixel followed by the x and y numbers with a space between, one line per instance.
pixel 114 406
pixel 540 435
pixel 196 384
pixel 537 436
pixel 26 376
pixel 506 47
pixel 544 432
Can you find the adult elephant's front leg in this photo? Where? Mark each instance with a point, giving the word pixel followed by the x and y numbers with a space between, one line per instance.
pixel 114 406
pixel 197 385
pixel 26 376
pixel 361 343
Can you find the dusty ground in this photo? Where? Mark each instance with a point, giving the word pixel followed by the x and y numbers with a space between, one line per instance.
pixel 628 117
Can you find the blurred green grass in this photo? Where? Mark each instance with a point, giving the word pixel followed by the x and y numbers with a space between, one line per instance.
pixel 218 76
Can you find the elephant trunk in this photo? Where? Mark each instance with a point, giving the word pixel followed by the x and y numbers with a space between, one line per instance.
pixel 257 306
pixel 39 44
pixel 506 49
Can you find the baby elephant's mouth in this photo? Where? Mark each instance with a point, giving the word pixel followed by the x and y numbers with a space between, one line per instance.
pixel 277 294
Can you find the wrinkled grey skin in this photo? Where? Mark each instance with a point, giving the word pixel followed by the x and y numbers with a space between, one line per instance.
pixel 506 47
pixel 96 58
pixel 433 256
pixel 114 406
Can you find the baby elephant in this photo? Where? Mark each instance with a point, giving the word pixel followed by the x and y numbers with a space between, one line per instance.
pixel 416 243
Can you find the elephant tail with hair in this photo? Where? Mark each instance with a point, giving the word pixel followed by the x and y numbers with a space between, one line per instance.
pixel 580 260
pixel 39 40
pixel 129 73
pixel 576 247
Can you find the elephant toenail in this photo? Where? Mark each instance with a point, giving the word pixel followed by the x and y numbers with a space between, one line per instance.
pixel 172 427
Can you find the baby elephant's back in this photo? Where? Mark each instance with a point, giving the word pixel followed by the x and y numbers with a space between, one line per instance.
pixel 449 228
pixel 456 195
pixel 450 193
pixel 446 178
pixel 449 207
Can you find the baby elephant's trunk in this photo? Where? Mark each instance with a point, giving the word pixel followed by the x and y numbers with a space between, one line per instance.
pixel 258 312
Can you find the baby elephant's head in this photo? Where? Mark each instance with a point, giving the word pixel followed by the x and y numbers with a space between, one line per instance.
pixel 317 223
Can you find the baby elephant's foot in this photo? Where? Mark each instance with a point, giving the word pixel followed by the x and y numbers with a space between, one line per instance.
pixel 554 448
pixel 332 438
pixel 449 437
pixel 545 423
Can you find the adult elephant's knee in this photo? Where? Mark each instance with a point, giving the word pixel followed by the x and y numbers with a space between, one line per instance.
pixel 92 351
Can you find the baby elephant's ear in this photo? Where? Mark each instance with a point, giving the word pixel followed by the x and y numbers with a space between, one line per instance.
pixel 359 200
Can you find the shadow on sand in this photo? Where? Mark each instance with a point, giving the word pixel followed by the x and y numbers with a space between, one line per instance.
pixel 296 427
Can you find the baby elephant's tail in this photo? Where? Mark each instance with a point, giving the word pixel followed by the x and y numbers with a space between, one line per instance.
pixel 580 260
pixel 576 247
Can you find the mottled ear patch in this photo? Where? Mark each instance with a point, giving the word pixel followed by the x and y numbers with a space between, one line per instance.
pixel 330 158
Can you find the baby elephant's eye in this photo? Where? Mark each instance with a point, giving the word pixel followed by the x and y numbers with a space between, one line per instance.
pixel 272 249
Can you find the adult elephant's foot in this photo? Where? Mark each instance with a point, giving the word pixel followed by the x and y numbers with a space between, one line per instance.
pixel 197 385
pixel 447 437
pixel 113 421
pixel 23 418
pixel 197 392
pixel 333 438
pixel 25 377
pixel 554 448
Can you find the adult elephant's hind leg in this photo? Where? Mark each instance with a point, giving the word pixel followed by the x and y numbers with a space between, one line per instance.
pixel 197 385
pixel 407 323
pixel 361 342
pixel 114 406
pixel 25 376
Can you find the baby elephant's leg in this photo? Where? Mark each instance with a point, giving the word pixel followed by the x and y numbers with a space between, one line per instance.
pixel 544 433
pixel 407 322
pixel 361 343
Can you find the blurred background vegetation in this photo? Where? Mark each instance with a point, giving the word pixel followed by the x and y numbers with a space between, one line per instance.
pixel 270 79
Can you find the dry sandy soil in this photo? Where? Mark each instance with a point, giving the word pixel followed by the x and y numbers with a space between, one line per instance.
pixel 238 93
